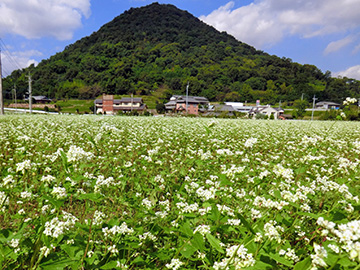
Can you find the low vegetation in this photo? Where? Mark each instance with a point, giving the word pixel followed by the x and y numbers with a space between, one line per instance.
pixel 101 192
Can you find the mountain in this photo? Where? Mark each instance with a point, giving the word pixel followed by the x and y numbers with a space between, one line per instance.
pixel 160 48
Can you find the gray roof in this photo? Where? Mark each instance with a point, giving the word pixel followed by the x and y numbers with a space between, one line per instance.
pixel 330 103
pixel 190 99
pixel 123 100
pixel 129 100
pixel 39 98
pixel 222 108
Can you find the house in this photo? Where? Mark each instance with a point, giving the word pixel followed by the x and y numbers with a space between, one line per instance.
pixel 195 104
pixel 109 105
pixel 266 110
pixel 39 99
pixel 239 107
pixel 220 109
pixel 327 105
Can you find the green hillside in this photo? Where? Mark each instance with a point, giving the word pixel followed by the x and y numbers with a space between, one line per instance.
pixel 159 48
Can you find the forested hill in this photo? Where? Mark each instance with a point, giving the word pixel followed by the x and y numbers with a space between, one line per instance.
pixel 159 48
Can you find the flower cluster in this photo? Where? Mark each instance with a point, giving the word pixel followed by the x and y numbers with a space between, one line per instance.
pixel 59 226
pixel 349 101
pixel 237 256
pixel 123 229
pixel 76 154
pixel 347 235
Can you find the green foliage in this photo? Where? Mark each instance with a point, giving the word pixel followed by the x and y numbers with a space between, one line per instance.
pixel 160 108
pixel 160 46
pixel 150 193
pixel 300 105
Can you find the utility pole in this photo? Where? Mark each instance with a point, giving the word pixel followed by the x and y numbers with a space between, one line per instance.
pixel 187 97
pixel 312 114
pixel 30 93
pixel 132 100
pixel 15 97
pixel 279 104
pixel 1 90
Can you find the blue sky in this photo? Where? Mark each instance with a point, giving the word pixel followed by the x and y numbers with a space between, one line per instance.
pixel 325 33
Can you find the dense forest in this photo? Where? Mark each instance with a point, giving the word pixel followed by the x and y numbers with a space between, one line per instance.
pixel 159 48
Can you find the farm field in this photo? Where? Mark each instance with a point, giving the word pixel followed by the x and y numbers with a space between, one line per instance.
pixel 94 192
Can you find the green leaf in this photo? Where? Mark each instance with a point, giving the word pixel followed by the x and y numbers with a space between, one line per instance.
pixel 109 265
pixel 246 224
pixel 303 265
pixel 346 262
pixel 281 260
pixel 215 243
pixel 260 265
pixel 198 242
pixel 56 264
pixel 188 251
pixel 65 161
pixel 95 197
pixel 186 229
pixel 56 203
pixel 73 252
pixel 314 216
pixel 277 194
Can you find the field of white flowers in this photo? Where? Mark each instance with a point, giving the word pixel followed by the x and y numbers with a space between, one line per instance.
pixel 178 193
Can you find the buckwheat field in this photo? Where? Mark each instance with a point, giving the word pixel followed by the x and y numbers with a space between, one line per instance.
pixel 83 192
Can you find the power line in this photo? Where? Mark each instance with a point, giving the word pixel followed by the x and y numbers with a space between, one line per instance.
pixel 8 54
pixel 1 90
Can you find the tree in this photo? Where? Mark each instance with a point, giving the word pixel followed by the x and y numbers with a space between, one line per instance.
pixel 232 96
pixel 300 106
pixel 160 108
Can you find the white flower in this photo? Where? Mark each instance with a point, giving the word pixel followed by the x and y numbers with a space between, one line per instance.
pixel 147 203
pixel 8 182
pixel 98 217
pixel 349 101
pixel 22 166
pixel 174 265
pixel 58 226
pixel 249 143
pixel 78 154
pixel 48 179
pixel 147 236
pixel 45 251
pixel 318 257
pixel 116 230
pixel 202 229
pixel 113 250
pixel 14 243
pixel 25 194
pixel 59 192
pixel 233 222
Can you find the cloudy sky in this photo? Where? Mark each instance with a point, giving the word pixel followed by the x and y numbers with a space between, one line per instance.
pixel 325 33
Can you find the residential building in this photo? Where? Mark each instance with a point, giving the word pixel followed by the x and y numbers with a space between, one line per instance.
pixel 239 107
pixel 327 105
pixel 109 105
pixel 195 105
pixel 39 99
pixel 266 110
pixel 220 109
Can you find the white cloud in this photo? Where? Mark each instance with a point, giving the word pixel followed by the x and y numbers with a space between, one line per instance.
pixel 250 24
pixel 18 60
pixel 266 22
pixel 337 45
pixel 352 72
pixel 40 18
